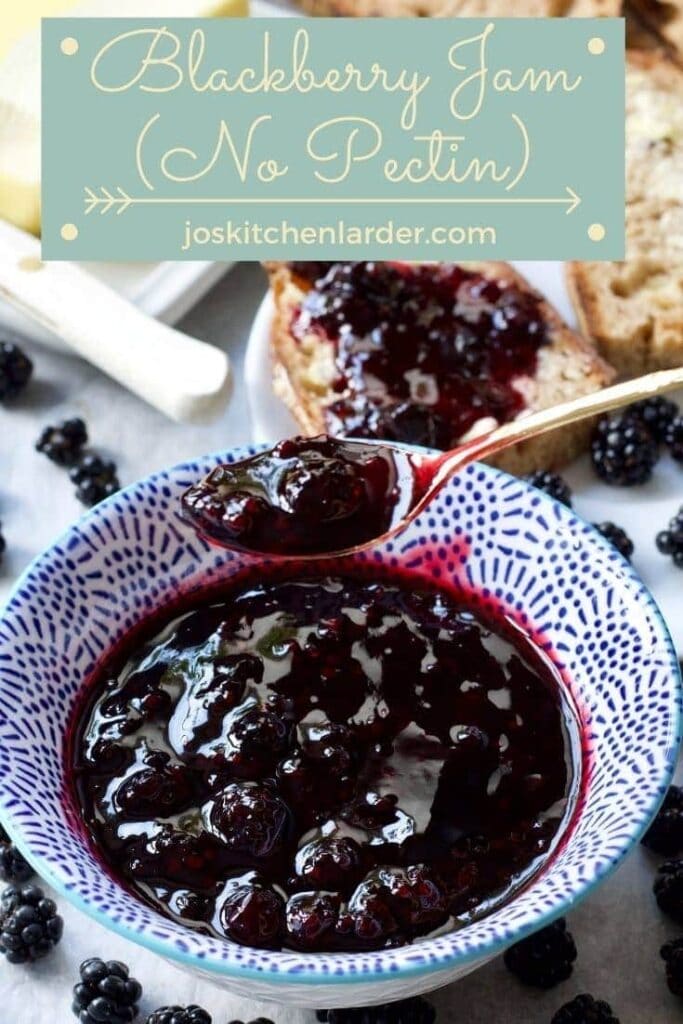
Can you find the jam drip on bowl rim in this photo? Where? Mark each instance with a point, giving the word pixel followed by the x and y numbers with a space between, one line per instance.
pixel 422 351
pixel 304 496
pixel 325 763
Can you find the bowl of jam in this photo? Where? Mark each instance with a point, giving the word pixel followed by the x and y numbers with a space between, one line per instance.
pixel 331 780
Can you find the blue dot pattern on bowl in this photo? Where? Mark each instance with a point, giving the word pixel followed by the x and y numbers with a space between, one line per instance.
pixel 486 532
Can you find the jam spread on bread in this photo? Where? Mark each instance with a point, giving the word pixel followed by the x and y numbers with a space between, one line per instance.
pixel 325 763
pixel 422 352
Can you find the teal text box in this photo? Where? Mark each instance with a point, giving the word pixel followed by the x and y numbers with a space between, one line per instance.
pixel 285 138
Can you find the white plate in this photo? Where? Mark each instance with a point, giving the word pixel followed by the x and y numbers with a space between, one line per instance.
pixel 641 511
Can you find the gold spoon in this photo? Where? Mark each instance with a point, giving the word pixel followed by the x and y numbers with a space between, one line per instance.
pixel 412 479
pixel 432 471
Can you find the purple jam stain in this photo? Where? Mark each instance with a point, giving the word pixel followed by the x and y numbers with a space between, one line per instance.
pixel 305 495
pixel 326 764
pixel 422 352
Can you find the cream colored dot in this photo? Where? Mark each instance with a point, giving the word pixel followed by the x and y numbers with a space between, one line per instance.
pixel 69 46
pixel 596 232
pixel 596 46
pixel 69 232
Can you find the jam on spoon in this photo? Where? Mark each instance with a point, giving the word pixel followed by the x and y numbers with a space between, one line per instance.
pixel 304 496
pixel 326 764
pixel 326 495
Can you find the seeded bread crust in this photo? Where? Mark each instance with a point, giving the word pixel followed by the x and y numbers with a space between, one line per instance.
pixel 304 371
pixel 634 310
pixel 463 8
pixel 664 19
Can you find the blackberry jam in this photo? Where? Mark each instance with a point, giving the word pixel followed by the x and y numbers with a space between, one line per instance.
pixel 422 352
pixel 305 495
pixel 325 764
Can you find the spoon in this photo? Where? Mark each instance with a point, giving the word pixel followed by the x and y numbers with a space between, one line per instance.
pixel 302 497
pixel 420 477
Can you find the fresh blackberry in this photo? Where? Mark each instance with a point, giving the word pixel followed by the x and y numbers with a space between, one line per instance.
pixel 179 1015
pixel 623 450
pixel 670 541
pixel 95 479
pixel 407 1011
pixel 672 955
pixel 552 483
pixel 617 537
pixel 62 444
pixel 15 370
pixel 13 867
pixel 656 413
pixel 545 958
pixel 106 994
pixel 668 889
pixel 665 834
pixel 674 438
pixel 29 924
pixel 257 1020
pixel 585 1010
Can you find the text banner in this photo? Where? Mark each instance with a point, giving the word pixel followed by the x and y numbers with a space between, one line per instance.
pixel 373 138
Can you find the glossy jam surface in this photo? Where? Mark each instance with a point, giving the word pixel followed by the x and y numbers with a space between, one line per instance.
pixel 422 352
pixel 306 495
pixel 325 764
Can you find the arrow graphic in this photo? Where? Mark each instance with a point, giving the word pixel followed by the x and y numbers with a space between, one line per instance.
pixel 121 201
pixel 107 201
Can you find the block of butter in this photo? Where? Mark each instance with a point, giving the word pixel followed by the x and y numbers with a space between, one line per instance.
pixel 20 96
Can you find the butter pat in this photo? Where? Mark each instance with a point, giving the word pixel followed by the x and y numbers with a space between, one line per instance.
pixel 20 96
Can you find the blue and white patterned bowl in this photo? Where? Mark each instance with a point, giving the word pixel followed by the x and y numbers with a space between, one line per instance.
pixel 525 555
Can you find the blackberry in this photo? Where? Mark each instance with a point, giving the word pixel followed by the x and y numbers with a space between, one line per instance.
pixel 15 370
pixel 668 889
pixel 407 1011
pixel 95 479
pixel 585 1010
pixel 670 541
pixel 62 444
pixel 257 1020
pixel 656 413
pixel 106 994
pixel 665 834
pixel 552 483
pixel 617 537
pixel 545 958
pixel 674 438
pixel 13 867
pixel 179 1015
pixel 29 924
pixel 623 450
pixel 672 955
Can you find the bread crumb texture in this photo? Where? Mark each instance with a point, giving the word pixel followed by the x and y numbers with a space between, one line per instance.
pixel 634 310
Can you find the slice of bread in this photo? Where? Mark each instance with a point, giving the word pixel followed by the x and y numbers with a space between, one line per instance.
pixel 304 370
pixel 463 8
pixel 634 310
pixel 639 34
pixel 665 19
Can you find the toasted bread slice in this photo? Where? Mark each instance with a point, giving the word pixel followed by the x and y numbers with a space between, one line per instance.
pixel 304 370
pixel 639 34
pixel 463 8
pixel 664 19
pixel 634 310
